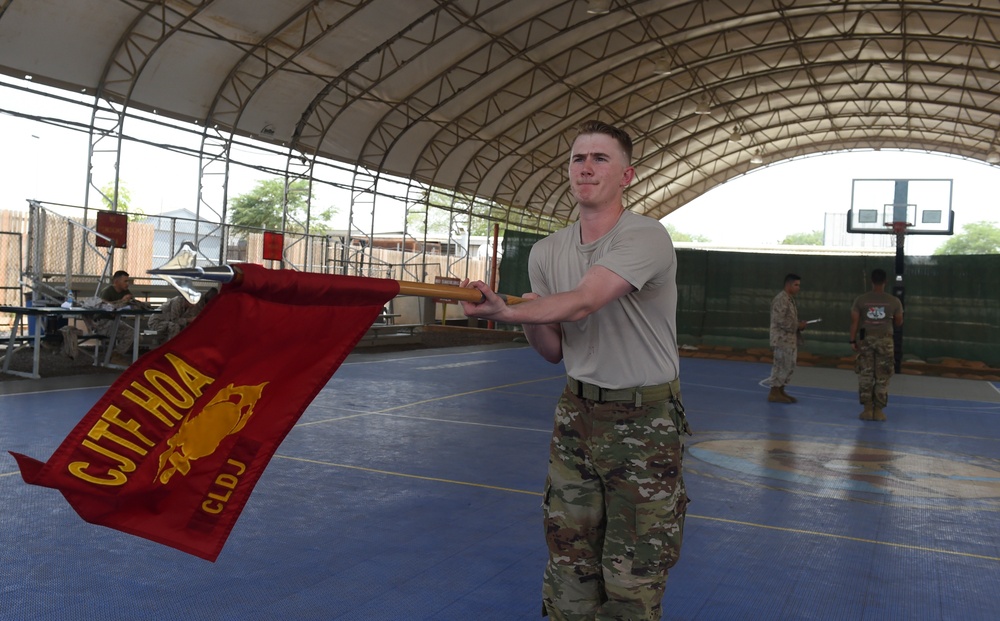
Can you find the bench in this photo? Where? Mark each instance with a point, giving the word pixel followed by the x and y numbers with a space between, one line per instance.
pixel 391 334
pixel 53 317
pixel 386 319
pixel 10 345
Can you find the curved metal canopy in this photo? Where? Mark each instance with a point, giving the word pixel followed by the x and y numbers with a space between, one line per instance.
pixel 481 96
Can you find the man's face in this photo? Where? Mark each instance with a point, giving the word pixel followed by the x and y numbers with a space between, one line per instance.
pixel 793 287
pixel 598 172
pixel 120 283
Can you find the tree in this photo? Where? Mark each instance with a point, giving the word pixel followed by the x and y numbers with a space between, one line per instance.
pixel 124 200
pixel 814 238
pixel 435 221
pixel 445 213
pixel 678 236
pixel 261 208
pixel 976 238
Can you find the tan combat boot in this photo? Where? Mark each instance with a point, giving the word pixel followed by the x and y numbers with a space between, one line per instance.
pixel 878 414
pixel 790 398
pixel 868 413
pixel 775 396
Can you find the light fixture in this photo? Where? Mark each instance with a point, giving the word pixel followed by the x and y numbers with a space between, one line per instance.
pixel 757 158
pixel 267 130
pixel 993 157
pixel 736 136
pixel 704 105
pixel 598 7
pixel 661 65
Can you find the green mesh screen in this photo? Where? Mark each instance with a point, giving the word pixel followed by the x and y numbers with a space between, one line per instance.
pixel 514 265
pixel 951 303
pixel 952 307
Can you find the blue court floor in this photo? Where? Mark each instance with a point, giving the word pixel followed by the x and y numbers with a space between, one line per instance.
pixel 410 490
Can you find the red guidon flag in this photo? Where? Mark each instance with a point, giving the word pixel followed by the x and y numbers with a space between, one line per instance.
pixel 173 449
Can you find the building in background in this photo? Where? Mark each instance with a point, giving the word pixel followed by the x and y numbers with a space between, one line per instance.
pixel 172 228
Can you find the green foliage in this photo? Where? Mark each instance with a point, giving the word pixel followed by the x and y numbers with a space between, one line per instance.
pixel 124 200
pixel 261 207
pixel 437 212
pixel 814 238
pixel 443 213
pixel 976 238
pixel 419 219
pixel 678 236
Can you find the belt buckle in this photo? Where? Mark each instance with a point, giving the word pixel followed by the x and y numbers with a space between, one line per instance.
pixel 591 392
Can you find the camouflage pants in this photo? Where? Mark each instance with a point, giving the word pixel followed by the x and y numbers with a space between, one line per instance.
pixel 614 509
pixel 783 366
pixel 875 365
pixel 168 330
pixel 123 338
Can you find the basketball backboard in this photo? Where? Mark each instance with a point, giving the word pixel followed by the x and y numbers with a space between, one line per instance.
pixel 911 206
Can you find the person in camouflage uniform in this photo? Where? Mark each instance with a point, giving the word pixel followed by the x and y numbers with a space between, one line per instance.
pixel 604 302
pixel 175 315
pixel 117 295
pixel 785 332
pixel 873 316
pixel 630 477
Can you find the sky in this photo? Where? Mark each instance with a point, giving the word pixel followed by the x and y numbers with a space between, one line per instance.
pixel 773 201
pixel 760 208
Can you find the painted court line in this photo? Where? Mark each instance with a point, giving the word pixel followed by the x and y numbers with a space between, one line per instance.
pixel 407 476
pixel 797 531
pixel 385 412
pixel 463 422
pixel 465 394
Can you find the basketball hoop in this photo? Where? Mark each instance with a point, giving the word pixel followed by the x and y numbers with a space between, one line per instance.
pixel 918 206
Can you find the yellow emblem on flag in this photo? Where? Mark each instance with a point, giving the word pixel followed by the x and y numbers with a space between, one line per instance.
pixel 200 434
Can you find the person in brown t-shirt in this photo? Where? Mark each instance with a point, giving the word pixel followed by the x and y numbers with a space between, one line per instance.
pixel 873 318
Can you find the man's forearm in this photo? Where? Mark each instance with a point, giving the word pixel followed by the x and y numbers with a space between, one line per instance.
pixel 550 309
pixel 546 339
pixel 555 308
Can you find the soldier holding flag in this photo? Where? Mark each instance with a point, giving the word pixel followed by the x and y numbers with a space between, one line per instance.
pixel 604 301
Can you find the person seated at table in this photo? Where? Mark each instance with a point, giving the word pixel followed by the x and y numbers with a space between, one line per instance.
pixel 117 293
pixel 118 296
pixel 175 315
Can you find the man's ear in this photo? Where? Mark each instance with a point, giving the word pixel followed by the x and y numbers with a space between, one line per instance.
pixel 628 177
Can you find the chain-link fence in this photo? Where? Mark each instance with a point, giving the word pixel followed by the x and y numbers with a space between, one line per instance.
pixel 724 297
pixel 62 252
pixel 10 268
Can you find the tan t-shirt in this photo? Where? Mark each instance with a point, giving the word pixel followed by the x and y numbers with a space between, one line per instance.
pixel 633 340
pixel 876 309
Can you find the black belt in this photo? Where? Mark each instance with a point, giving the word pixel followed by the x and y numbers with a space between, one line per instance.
pixel 638 395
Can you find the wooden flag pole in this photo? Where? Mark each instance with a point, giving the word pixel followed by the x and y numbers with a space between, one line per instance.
pixel 179 273
pixel 427 290
pixel 449 292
